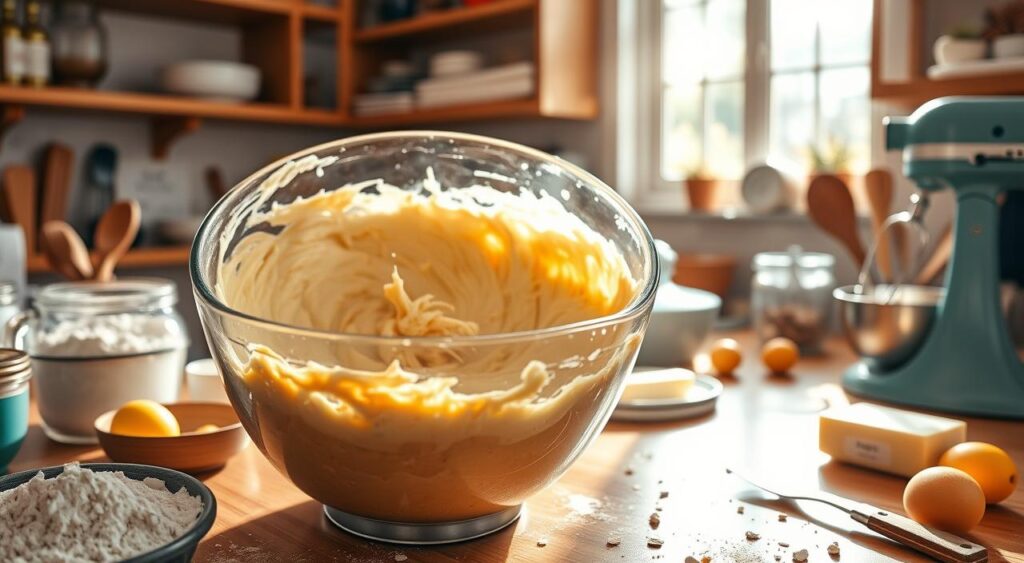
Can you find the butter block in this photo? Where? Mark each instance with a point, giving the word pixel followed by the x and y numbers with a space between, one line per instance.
pixel 887 439
pixel 660 384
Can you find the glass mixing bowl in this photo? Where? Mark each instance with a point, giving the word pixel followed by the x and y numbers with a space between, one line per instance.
pixel 436 474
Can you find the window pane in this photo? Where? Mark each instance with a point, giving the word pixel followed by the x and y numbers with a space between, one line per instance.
pixel 845 32
pixel 792 34
pixel 681 131
pixel 683 33
pixel 724 50
pixel 724 135
pixel 791 129
pixel 846 114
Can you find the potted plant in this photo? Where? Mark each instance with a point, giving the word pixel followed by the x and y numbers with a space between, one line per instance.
pixel 832 158
pixel 1004 26
pixel 961 44
pixel 701 189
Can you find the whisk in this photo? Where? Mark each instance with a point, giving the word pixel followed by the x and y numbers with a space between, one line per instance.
pixel 914 218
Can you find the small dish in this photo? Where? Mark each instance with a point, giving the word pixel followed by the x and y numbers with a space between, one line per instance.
pixel 191 452
pixel 181 548
pixel 216 80
pixel 700 400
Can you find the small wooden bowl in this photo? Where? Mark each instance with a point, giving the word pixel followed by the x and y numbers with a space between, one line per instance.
pixel 190 452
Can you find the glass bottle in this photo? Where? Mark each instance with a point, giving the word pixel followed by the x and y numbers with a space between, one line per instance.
pixel 79 45
pixel 37 47
pixel 13 69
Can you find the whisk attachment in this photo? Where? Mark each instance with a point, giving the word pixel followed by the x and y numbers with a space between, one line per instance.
pixel 914 219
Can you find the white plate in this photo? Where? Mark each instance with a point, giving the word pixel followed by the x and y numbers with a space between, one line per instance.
pixel 699 401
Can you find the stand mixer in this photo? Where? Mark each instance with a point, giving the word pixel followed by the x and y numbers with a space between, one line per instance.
pixel 967 363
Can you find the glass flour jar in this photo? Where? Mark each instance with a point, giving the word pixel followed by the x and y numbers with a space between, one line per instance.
pixel 95 346
pixel 791 296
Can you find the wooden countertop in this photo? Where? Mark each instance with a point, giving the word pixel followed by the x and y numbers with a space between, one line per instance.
pixel 766 424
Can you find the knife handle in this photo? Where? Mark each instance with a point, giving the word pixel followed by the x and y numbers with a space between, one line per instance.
pixel 933 543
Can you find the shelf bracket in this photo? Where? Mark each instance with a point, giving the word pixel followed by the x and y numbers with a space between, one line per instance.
pixel 10 115
pixel 165 130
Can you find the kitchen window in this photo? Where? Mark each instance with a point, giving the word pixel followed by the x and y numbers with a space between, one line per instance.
pixel 721 85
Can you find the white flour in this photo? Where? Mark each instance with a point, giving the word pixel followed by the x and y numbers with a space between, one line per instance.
pixel 83 515
pixel 109 335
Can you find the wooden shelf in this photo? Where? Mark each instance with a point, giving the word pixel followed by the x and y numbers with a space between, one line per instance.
pixel 921 90
pixel 321 13
pixel 136 258
pixel 502 109
pixel 209 11
pixel 163 104
pixel 478 18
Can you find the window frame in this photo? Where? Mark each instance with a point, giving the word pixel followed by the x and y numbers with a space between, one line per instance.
pixel 639 93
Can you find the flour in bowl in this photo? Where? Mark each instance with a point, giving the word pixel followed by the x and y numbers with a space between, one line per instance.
pixel 82 515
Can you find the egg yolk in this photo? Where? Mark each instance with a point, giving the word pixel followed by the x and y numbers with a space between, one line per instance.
pixel 145 419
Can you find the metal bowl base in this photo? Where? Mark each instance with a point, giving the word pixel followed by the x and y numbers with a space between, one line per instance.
pixel 422 534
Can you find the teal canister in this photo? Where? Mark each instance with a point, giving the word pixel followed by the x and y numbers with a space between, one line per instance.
pixel 15 371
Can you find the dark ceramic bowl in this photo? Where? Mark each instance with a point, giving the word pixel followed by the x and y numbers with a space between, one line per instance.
pixel 181 548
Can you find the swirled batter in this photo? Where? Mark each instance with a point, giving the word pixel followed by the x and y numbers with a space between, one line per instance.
pixel 441 431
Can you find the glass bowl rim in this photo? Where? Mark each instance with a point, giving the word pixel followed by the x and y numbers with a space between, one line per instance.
pixel 643 299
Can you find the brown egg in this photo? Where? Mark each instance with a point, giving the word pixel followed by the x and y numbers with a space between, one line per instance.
pixel 944 498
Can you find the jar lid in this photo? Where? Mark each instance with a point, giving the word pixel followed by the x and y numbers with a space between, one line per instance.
pixel 119 296
pixel 15 367
pixel 8 292
pixel 806 260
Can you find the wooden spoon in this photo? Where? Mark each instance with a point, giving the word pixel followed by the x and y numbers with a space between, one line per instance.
pixel 115 233
pixel 831 207
pixel 937 261
pixel 878 187
pixel 19 191
pixel 66 251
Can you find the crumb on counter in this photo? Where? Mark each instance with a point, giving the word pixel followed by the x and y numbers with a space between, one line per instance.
pixel 800 556
pixel 691 559
pixel 753 536
pixel 401 557
pixel 542 542
pixel 783 544
pixel 654 520
pixel 833 548
pixel 613 541
pixel 783 517
pixel 655 542
pixel 664 494
pixel 629 470
pixel 739 510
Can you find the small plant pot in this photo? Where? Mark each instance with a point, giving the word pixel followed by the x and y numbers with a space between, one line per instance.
pixel 950 50
pixel 702 194
pixel 1008 46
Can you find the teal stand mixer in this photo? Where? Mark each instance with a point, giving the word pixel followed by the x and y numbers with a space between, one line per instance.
pixel 967 363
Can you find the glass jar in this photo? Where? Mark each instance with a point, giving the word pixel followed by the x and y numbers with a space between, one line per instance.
pixel 79 45
pixel 791 296
pixel 95 346
pixel 8 301
pixel 15 371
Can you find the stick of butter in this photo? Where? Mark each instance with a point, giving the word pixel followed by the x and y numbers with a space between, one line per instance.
pixel 887 439
pixel 660 384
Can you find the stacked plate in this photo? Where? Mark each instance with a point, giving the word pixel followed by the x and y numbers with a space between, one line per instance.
pixel 699 400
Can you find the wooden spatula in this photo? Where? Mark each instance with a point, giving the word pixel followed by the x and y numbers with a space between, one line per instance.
pixel 830 206
pixel 19 191
pixel 66 251
pixel 878 187
pixel 56 183
pixel 114 236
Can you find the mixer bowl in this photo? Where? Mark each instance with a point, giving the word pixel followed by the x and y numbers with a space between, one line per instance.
pixel 383 469
pixel 885 326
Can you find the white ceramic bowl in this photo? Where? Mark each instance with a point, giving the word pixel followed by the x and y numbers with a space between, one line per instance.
pixel 221 80
pixel 204 382
pixel 679 326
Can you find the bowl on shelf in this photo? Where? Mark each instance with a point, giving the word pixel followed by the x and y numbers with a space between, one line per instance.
pixel 710 272
pixel 885 326
pixel 191 452
pixel 430 438
pixel 178 550
pixel 215 80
